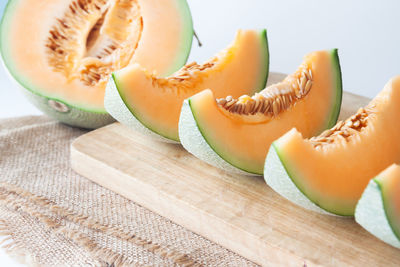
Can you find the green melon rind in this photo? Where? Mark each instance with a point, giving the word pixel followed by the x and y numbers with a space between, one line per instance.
pixel 264 43
pixel 278 178
pixel 339 89
pixel 75 117
pixel 80 116
pixel 386 203
pixel 134 121
pixel 371 215
pixel 193 141
pixel 188 33
pixel 284 184
pixel 117 108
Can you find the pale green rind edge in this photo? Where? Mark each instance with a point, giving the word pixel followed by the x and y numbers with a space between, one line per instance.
pixel 116 107
pixel 339 89
pixel 276 176
pixel 284 184
pixel 187 35
pixel 265 43
pixel 193 141
pixel 370 214
pixel 74 117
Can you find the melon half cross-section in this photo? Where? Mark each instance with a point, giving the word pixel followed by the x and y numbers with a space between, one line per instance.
pixel 328 173
pixel 235 134
pixel 151 104
pixel 62 52
pixel 378 210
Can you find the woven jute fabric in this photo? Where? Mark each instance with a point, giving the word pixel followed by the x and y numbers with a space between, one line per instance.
pixel 51 216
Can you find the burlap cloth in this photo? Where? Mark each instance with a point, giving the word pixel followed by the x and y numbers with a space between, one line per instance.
pixel 51 216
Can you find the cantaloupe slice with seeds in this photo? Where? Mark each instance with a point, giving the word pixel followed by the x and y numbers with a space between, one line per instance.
pixel 235 134
pixel 328 173
pixel 62 52
pixel 152 104
pixel 378 210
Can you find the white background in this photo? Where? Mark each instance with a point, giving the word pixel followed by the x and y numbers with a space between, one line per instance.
pixel 366 32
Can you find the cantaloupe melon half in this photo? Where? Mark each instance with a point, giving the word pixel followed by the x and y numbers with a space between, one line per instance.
pixel 152 104
pixel 235 134
pixel 378 210
pixel 328 173
pixel 62 52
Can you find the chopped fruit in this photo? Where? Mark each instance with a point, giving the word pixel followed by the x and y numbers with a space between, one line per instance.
pixel 152 104
pixel 328 173
pixel 235 134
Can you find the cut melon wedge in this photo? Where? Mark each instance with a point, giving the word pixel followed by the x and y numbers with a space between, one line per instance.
pixel 62 52
pixel 154 103
pixel 378 210
pixel 330 172
pixel 235 134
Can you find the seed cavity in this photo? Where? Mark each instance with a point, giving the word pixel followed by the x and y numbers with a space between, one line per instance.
pixel 274 99
pixel 185 78
pixel 93 38
pixel 343 130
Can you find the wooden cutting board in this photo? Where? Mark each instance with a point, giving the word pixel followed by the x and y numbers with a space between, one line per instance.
pixel 240 213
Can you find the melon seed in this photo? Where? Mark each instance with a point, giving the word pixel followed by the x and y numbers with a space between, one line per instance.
pixel 222 101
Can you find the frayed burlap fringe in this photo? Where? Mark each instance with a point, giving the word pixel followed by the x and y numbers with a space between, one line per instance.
pixel 20 200
pixel 54 217
pixel 15 249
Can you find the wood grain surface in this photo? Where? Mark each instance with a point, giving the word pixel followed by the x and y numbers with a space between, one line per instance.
pixel 238 212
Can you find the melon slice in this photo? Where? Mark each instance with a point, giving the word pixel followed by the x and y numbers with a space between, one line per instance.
pixel 235 134
pixel 378 210
pixel 61 52
pixel 329 172
pixel 152 104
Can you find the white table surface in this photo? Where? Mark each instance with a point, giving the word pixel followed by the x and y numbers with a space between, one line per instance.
pixel 365 31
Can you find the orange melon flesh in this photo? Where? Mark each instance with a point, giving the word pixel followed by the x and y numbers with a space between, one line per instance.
pixel 161 45
pixel 156 102
pixel 335 177
pixel 243 141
